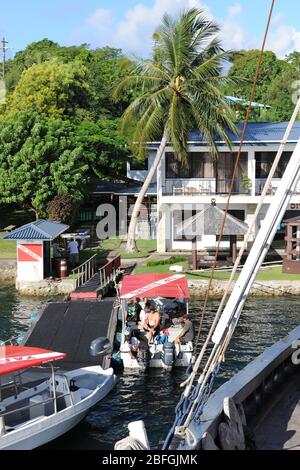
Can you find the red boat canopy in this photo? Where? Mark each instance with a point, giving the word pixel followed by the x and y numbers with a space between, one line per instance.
pixel 14 358
pixel 154 285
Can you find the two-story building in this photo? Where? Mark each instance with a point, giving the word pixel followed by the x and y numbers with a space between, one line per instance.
pixel 184 188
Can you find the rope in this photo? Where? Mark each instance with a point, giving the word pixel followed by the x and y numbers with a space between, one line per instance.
pixel 235 172
pixel 200 394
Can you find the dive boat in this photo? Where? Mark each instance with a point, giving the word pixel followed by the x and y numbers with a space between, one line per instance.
pixel 169 294
pixel 35 410
pixel 259 407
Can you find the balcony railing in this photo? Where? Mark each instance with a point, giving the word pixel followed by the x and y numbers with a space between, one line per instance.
pixel 260 183
pixel 205 186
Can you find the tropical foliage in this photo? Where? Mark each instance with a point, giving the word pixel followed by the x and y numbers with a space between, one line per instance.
pixel 275 83
pixel 179 90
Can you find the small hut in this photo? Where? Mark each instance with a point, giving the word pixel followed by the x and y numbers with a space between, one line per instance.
pixel 209 222
pixel 291 262
pixel 34 249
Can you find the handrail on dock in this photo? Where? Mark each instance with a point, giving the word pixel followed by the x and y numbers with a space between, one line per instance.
pixel 85 271
pixel 109 272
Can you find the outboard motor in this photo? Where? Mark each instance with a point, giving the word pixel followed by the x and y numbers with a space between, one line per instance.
pixel 143 357
pixel 100 347
pixel 168 355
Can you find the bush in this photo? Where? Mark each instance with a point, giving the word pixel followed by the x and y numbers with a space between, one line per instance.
pixel 171 260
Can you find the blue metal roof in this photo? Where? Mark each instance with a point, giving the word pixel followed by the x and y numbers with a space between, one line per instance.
pixel 121 189
pixel 257 133
pixel 38 230
pixel 232 100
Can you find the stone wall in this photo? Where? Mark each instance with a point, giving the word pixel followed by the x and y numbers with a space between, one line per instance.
pixel 259 289
pixel 8 270
pixel 46 288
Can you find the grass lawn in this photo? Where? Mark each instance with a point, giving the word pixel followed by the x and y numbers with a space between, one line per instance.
pixel 145 247
pixel 8 249
pixel 272 274
pixel 110 244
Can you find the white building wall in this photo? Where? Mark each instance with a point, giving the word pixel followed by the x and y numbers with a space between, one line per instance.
pixel 140 175
pixel 246 202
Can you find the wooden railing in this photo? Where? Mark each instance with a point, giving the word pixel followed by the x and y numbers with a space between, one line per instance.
pixel 85 272
pixel 109 272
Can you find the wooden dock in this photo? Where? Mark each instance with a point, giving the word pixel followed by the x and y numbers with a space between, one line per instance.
pixel 94 283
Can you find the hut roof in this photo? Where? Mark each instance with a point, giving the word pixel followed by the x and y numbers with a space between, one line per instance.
pixel 38 230
pixel 209 222
pixel 292 221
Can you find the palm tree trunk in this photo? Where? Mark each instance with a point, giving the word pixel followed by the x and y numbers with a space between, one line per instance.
pixel 131 242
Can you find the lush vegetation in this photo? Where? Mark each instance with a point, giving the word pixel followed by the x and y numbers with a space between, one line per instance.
pixel 60 126
pixel 276 86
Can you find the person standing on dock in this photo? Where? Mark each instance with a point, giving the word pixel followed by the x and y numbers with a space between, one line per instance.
pixel 74 252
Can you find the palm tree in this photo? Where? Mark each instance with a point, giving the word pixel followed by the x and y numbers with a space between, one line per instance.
pixel 179 90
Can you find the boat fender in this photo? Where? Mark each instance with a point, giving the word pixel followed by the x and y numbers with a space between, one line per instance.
pixel 2 426
pixel 129 443
pixel 168 354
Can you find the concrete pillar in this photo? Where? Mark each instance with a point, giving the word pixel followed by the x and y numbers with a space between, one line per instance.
pixel 252 170
pixel 161 228
pixel 249 215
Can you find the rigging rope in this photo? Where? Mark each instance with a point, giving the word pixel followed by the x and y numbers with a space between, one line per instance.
pixel 196 398
pixel 235 172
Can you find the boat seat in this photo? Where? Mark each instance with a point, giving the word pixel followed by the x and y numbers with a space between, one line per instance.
pixel 85 392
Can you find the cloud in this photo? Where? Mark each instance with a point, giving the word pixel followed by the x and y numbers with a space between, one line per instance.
pixel 284 39
pixel 233 34
pixel 133 32
pixel 100 20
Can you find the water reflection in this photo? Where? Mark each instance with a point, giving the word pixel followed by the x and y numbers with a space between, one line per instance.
pixel 153 396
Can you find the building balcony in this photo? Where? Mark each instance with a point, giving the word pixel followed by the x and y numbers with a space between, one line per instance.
pixel 201 186
pixel 260 183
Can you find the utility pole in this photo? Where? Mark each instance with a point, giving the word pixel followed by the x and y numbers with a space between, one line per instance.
pixel 3 50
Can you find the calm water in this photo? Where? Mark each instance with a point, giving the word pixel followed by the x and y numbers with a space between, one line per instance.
pixel 153 396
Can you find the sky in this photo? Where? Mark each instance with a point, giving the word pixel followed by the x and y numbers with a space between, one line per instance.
pixel 129 24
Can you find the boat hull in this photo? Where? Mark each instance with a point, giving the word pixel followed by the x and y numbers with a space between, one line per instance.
pixel 46 429
pixel 183 359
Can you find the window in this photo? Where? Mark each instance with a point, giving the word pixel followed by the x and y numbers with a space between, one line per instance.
pixel 197 165
pixel 264 161
pixel 136 165
pixel 178 218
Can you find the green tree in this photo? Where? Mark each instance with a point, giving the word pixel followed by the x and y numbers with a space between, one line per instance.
pixel 51 88
pixel 103 64
pixel 294 59
pixel 274 86
pixel 39 158
pixel 280 94
pixel 180 90
pixel 104 149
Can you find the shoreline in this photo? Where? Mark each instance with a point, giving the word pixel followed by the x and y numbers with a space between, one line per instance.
pixel 272 288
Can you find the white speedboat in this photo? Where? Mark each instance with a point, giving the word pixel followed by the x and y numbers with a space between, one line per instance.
pixel 170 293
pixel 45 409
